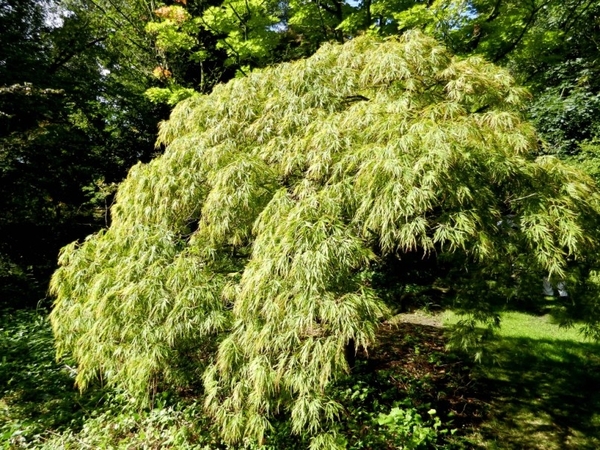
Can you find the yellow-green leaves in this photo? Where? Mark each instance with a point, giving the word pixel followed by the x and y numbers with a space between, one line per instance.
pixel 275 196
pixel 174 31
pixel 249 28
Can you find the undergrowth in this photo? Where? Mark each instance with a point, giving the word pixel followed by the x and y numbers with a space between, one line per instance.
pixel 390 401
pixel 36 393
pixel 538 392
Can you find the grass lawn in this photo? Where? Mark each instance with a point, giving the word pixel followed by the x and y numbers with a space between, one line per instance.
pixel 542 388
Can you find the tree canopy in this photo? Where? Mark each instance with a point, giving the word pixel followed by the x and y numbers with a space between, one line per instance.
pixel 246 255
pixel 102 56
pixel 73 120
pixel 551 46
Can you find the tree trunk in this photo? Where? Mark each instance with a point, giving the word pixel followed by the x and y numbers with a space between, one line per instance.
pixel 350 353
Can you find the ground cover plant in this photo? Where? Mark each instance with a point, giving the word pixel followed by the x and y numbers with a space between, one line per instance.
pixel 259 252
pixel 36 393
pixel 388 402
pixel 539 392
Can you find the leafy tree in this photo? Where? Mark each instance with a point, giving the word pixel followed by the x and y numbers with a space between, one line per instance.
pixel 166 45
pixel 71 123
pixel 279 199
pixel 551 46
pixel 259 33
pixel 190 57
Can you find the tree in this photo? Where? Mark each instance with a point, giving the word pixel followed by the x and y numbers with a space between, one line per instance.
pixel 71 123
pixel 167 41
pixel 551 46
pixel 279 199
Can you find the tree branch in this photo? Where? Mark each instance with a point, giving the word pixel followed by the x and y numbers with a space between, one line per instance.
pixel 65 58
pixel 516 42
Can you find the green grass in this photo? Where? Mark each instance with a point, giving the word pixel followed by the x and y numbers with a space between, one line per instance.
pixel 541 386
pixel 521 325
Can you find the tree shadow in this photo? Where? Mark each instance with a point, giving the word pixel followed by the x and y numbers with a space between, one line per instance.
pixel 413 358
pixel 526 394
pixel 543 394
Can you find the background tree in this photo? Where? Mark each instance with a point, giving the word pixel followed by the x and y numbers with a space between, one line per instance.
pixel 72 121
pixel 279 201
pixel 550 46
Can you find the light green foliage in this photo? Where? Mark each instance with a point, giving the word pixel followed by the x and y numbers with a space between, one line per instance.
pixel 327 20
pixel 176 37
pixel 170 95
pixel 174 31
pixel 274 199
pixel 441 18
pixel 529 36
pixel 247 29
pixel 257 33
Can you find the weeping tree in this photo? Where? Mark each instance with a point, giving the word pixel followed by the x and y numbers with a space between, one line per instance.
pixel 245 255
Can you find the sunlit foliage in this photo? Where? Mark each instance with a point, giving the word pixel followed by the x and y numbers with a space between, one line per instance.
pixel 278 193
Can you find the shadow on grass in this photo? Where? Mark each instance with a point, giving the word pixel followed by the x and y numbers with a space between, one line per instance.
pixel 542 394
pixel 529 394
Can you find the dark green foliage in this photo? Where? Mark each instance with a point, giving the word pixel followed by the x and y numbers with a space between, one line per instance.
pixel 401 394
pixel 566 112
pixel 22 24
pixel 70 125
pixel 36 393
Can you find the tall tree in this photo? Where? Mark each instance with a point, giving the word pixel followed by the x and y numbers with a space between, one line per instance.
pixel 278 197
pixel 70 125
